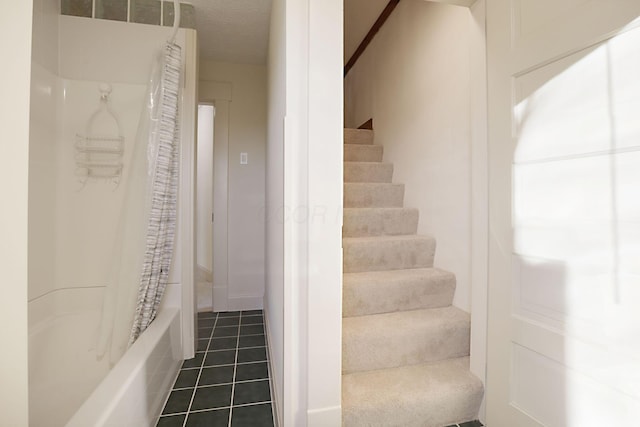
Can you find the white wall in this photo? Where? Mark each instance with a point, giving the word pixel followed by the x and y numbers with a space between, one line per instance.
pixel 274 201
pixel 15 40
pixel 479 195
pixel 325 183
pixel 43 156
pixel 304 206
pixel 204 189
pixel 414 81
pixel 246 191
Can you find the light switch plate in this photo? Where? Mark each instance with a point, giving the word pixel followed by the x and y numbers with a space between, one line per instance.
pixel 244 158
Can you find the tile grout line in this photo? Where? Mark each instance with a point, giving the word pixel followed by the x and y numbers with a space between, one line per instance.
pixel 229 349
pixel 242 405
pixel 210 342
pixel 266 348
pixel 219 384
pixel 195 387
pixel 223 365
pixel 235 368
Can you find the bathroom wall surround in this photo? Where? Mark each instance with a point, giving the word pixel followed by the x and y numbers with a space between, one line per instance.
pixel 152 12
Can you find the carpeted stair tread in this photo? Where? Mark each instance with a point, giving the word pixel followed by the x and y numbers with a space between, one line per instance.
pixel 376 292
pixel 363 153
pixel 373 195
pixel 361 222
pixel 425 395
pixel 405 348
pixel 358 136
pixel 387 253
pixel 389 340
pixel 368 172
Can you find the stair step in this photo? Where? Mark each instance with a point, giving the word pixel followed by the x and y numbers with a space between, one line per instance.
pixel 387 253
pixel 360 222
pixel 358 136
pixel 396 290
pixel 390 340
pixel 425 395
pixel 373 195
pixel 368 172
pixel 362 153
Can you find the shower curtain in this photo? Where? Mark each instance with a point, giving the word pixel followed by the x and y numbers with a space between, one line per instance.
pixel 164 197
pixel 144 242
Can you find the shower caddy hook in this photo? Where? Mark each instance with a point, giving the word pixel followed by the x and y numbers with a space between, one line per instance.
pixel 100 156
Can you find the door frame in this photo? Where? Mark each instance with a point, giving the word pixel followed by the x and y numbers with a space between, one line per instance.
pixel 479 195
pixel 200 271
pixel 218 94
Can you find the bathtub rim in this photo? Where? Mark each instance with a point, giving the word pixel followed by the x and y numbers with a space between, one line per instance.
pixel 105 399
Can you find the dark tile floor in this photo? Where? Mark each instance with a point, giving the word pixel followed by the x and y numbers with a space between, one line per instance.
pixel 227 383
pixel 468 424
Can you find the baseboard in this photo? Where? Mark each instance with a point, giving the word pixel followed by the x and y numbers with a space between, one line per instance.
pixel 220 298
pixel 172 296
pixel 203 274
pixel 325 417
pixel 222 302
pixel 275 397
pixel 245 302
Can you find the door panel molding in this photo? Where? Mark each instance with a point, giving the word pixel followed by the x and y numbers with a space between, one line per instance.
pixel 549 361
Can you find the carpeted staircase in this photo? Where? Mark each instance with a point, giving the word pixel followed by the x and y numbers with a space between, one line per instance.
pixel 405 348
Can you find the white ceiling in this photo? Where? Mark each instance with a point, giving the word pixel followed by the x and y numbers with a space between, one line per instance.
pixel 238 30
pixel 234 31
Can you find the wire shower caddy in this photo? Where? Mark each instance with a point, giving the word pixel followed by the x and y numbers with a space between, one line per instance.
pixel 99 155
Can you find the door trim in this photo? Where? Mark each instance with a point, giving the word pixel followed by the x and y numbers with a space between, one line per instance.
pixel 479 195
pixel 219 94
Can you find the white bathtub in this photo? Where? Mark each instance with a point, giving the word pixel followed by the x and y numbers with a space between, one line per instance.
pixel 69 386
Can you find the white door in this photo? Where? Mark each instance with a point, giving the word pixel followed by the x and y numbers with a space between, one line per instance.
pixel 564 251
